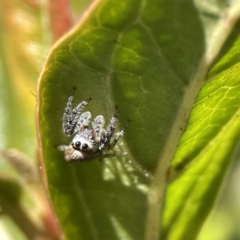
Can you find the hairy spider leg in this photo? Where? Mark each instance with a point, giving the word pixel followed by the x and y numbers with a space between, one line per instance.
pixel 76 112
pixel 118 135
pixel 67 111
pixel 109 132
pixel 70 117
pixel 97 125
pixel 83 120
pixel 62 147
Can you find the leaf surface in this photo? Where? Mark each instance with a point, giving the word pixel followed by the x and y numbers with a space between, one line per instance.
pixel 138 57
pixel 207 146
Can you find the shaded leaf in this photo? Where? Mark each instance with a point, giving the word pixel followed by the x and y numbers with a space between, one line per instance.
pixel 139 57
pixel 122 55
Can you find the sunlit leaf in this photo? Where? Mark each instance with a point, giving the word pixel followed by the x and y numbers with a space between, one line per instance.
pixel 206 148
pixel 149 59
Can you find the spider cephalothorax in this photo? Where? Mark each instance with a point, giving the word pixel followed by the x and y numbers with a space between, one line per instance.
pixel 89 142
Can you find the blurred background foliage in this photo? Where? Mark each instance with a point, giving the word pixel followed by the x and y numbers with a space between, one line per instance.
pixel 28 28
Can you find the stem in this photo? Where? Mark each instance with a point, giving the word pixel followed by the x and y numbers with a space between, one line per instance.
pixel 159 183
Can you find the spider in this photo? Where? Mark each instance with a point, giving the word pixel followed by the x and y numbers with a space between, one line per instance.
pixel 89 142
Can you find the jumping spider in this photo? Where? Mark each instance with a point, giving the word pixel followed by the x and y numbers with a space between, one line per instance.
pixel 89 142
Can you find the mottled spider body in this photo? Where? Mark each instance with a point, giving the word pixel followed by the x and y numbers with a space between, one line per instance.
pixel 89 141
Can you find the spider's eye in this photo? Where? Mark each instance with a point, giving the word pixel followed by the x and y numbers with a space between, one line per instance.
pixel 84 146
pixel 78 144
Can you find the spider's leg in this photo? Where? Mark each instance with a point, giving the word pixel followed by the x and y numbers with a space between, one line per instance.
pixel 76 113
pixel 66 114
pixel 109 132
pixel 62 148
pixel 97 125
pixel 71 116
pixel 118 135
pixel 83 120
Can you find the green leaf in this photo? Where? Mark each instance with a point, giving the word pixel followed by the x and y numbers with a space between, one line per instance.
pixel 149 59
pixel 207 146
